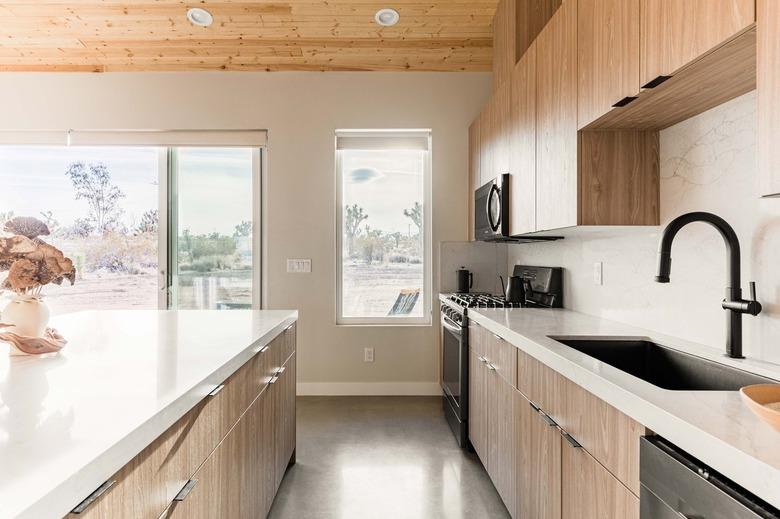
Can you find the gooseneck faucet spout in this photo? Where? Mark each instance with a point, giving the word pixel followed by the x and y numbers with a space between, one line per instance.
pixel 733 303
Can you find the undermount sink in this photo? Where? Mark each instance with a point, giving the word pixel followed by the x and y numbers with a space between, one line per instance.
pixel 663 367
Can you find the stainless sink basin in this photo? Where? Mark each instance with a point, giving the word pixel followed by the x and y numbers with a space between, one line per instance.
pixel 663 367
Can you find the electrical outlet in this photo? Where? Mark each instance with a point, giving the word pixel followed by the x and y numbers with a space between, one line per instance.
pixel 298 266
pixel 368 354
pixel 598 273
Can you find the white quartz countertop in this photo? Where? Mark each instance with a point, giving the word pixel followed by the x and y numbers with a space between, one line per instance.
pixel 70 420
pixel 714 426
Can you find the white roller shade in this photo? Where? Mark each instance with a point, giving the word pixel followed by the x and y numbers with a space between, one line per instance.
pixel 195 138
pixel 33 138
pixel 401 140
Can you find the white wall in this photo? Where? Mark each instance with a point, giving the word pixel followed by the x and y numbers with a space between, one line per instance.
pixel 707 164
pixel 301 112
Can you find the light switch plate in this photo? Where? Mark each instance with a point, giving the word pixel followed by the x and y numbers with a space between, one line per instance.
pixel 298 266
pixel 598 273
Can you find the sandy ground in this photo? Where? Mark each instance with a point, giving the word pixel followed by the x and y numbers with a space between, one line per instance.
pixel 371 290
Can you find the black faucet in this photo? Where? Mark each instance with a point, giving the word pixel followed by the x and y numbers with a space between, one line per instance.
pixel 733 301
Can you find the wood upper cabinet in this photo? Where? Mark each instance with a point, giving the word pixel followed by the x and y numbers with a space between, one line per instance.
pixel 504 48
pixel 675 32
pixel 494 135
pixel 768 83
pixel 474 178
pixel 556 120
pixel 608 56
pixel 538 462
pixel 589 491
pixel 522 141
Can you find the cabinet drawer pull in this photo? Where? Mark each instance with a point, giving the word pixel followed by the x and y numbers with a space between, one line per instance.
pixel 483 360
pixel 274 379
pixel 94 496
pixel 547 418
pixel 185 490
pixel 289 327
pixel 569 438
pixel 265 348
pixel 491 367
pixel 216 390
pixel 623 102
pixel 498 337
pixel 655 82
pixel 281 370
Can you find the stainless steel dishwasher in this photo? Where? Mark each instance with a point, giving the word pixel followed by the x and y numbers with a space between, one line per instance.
pixel 677 486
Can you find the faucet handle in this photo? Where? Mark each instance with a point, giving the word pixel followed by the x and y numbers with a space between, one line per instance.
pixel 754 307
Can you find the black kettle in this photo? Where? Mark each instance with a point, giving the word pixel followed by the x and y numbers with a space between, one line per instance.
pixel 515 290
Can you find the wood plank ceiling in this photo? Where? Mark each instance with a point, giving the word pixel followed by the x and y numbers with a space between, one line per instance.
pixel 155 35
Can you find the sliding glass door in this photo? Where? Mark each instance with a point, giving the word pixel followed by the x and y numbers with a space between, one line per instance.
pixel 147 227
pixel 213 226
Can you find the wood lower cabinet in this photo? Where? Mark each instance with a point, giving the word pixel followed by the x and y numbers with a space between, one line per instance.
pixel 675 33
pixel 589 491
pixel 478 410
pixel 501 462
pixel 236 444
pixel 538 463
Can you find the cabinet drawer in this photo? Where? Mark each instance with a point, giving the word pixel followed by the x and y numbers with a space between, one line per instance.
pixel 541 385
pixel 288 344
pixel 589 491
pixel 502 356
pixel 148 483
pixel 608 435
pixel 477 339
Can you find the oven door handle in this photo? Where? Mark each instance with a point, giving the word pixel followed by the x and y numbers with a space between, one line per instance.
pixel 450 324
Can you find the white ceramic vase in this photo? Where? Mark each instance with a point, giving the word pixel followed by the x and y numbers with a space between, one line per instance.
pixel 29 316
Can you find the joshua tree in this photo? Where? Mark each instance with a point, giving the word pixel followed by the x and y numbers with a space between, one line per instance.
pixel 416 215
pixel 353 217
pixel 149 222
pixel 93 183
pixel 243 229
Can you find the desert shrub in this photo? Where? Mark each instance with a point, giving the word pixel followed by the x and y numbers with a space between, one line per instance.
pixel 415 260
pixel 118 253
pixel 398 258
pixel 206 264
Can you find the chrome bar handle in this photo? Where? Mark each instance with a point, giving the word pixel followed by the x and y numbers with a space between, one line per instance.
pixel 569 438
pixel 185 490
pixel 274 379
pixel 281 370
pixel 491 367
pixel 94 496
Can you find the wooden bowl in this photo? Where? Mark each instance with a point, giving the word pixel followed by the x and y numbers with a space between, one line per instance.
pixel 758 396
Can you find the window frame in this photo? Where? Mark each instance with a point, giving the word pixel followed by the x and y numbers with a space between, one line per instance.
pixel 426 296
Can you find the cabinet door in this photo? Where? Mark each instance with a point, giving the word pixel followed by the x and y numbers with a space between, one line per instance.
pixel 538 463
pixel 486 144
pixel 590 491
pixel 477 421
pixel 501 464
pixel 674 32
pixel 522 143
pixel 502 116
pixel 556 120
pixel 504 46
pixel 284 419
pixel 608 55
pixel 768 80
pixel 474 178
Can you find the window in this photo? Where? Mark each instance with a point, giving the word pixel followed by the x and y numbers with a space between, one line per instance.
pixel 383 196
pixel 150 219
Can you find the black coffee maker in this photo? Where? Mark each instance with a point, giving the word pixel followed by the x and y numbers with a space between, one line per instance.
pixel 465 280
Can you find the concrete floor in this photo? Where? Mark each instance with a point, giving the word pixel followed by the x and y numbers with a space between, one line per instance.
pixel 382 457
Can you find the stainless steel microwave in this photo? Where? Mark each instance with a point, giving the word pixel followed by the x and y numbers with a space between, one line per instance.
pixel 491 210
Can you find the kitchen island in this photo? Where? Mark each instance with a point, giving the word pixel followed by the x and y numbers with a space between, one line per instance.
pixel 144 409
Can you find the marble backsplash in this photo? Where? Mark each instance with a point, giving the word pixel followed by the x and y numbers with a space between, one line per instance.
pixel 708 163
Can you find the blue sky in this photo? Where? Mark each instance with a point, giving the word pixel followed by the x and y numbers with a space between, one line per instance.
pixel 215 185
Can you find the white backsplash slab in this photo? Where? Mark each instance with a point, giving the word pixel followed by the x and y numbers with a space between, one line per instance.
pixel 485 260
pixel 708 163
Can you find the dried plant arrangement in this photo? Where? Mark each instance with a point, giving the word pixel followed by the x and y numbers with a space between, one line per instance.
pixel 31 264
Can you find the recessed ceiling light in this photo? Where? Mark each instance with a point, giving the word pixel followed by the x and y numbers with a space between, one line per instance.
pixel 387 17
pixel 200 17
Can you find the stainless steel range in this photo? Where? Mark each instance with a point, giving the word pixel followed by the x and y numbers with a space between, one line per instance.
pixel 545 291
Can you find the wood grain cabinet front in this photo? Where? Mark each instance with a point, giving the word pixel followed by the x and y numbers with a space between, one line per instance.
pixel 674 33
pixel 607 56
